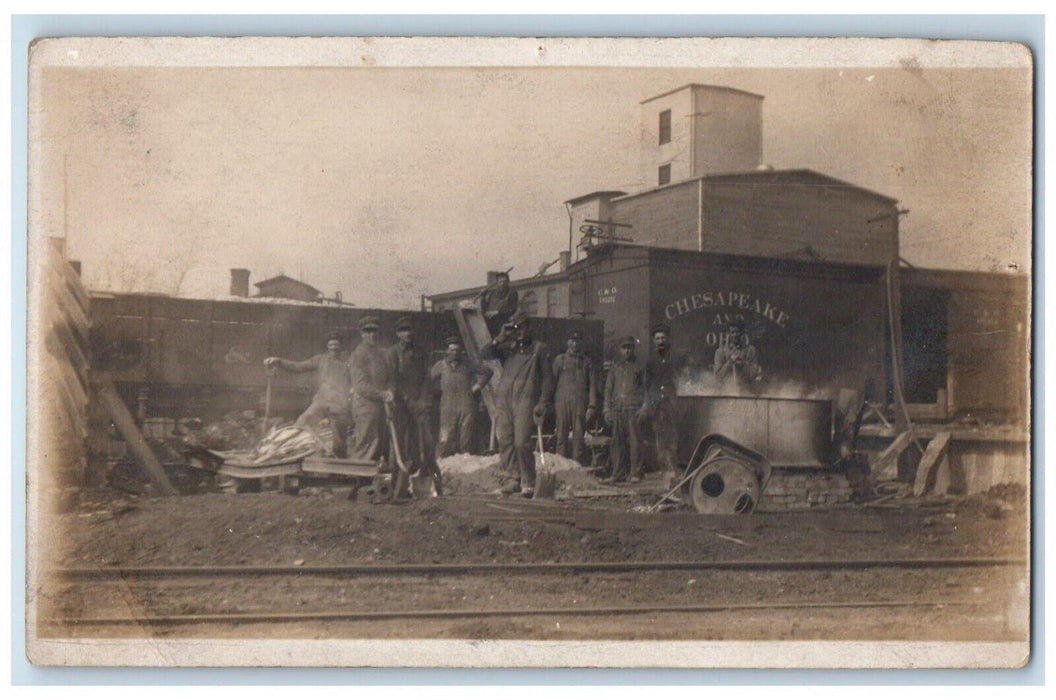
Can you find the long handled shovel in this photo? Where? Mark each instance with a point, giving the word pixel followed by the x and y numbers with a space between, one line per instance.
pixel 421 485
pixel 545 482
pixel 267 404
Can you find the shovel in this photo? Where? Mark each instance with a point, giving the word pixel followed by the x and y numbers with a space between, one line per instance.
pixel 267 404
pixel 421 484
pixel 545 482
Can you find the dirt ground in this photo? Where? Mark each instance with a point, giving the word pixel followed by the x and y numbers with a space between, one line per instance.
pixel 588 522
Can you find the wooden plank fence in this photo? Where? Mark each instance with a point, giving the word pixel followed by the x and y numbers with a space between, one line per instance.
pixel 64 371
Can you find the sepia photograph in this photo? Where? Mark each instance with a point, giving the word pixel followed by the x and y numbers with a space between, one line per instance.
pixel 486 352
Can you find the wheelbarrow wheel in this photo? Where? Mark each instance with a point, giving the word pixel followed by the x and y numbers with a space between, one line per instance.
pixel 726 486
pixel 291 485
pixel 382 488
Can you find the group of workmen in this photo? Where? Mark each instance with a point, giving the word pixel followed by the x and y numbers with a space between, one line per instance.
pixel 382 391
pixel 374 387
pixel 386 391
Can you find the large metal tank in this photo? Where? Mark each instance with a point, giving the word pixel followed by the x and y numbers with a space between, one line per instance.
pixel 787 432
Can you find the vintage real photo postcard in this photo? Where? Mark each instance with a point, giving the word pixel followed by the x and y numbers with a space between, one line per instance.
pixel 529 352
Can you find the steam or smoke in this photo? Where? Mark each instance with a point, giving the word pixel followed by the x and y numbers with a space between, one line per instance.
pixel 699 381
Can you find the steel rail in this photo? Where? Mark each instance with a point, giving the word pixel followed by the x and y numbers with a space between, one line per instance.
pixel 367 615
pixel 158 572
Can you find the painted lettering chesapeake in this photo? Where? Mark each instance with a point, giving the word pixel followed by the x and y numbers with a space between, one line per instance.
pixel 734 300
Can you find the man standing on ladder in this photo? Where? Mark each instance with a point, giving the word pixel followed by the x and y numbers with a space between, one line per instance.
pixel 499 302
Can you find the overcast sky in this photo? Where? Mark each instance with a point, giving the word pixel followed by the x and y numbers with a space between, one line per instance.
pixel 386 183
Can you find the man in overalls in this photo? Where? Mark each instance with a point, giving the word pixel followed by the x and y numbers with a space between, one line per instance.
pixel 522 399
pixel 576 397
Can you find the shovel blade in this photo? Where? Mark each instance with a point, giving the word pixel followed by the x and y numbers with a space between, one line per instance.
pixel 424 486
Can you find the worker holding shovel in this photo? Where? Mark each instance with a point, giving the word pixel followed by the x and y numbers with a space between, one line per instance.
pixel 523 397
pixel 412 409
pixel 372 388
pixel 333 382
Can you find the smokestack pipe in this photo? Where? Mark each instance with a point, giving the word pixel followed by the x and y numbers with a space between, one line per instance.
pixel 239 282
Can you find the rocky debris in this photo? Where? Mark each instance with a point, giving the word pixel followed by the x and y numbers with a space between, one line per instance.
pixel 264 528
pixel 471 474
pixel 126 476
pixel 238 430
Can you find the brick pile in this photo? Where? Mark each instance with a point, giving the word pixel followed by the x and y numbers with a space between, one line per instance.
pixel 805 489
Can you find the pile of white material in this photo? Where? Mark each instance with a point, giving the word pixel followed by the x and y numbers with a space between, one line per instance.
pixel 555 464
pixel 467 464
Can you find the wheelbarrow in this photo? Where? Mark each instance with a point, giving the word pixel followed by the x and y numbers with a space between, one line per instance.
pixel 722 477
pixel 289 471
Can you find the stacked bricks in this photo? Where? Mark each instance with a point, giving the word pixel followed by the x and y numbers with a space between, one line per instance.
pixel 805 489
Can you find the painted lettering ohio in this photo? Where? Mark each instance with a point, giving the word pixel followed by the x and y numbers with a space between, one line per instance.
pixel 737 301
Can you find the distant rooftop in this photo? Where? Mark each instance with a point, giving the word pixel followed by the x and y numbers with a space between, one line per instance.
pixel 608 194
pixel 701 85
pixel 280 279
pixel 801 176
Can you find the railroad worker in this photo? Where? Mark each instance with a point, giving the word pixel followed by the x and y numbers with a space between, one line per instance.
pixel 499 302
pixel 412 408
pixel 332 384
pixel 461 382
pixel 522 399
pixel 372 388
pixel 660 404
pixel 623 409
pixel 576 396
pixel 736 357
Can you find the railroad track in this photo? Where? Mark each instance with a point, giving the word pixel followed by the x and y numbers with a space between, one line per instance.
pixel 362 570
pixel 461 613
pixel 89 578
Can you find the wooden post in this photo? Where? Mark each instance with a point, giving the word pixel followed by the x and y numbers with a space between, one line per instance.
pixel 126 424
pixel 931 460
pixel 886 466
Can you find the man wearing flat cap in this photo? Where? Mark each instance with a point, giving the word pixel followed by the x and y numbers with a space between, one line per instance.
pixel 660 393
pixel 412 406
pixel 499 302
pixel 624 397
pixel 736 359
pixel 522 399
pixel 461 382
pixel 576 396
pixel 372 388
pixel 332 384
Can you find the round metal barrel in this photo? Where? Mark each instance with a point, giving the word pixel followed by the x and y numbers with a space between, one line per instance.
pixel 727 485
pixel 788 432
